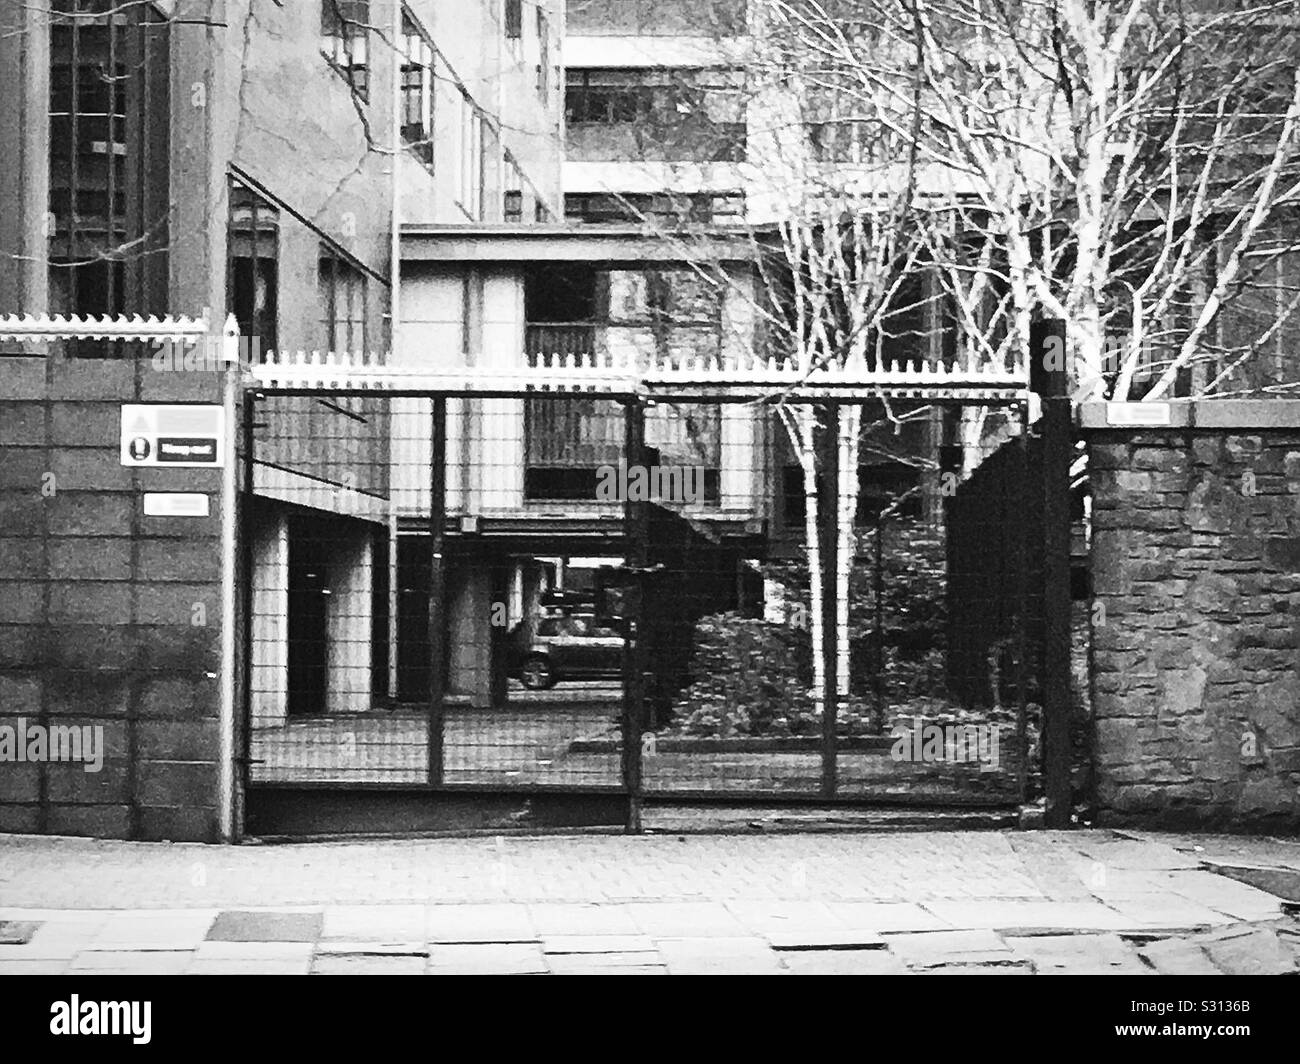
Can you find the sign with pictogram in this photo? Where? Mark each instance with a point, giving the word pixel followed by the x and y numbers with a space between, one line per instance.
pixel 154 434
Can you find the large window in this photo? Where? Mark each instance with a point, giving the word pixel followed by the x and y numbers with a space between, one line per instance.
pixel 253 265
pixel 650 18
pixel 344 27
pixel 342 301
pixel 417 89
pixel 655 114
pixel 109 155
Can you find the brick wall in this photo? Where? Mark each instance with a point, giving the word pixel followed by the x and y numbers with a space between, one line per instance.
pixel 107 617
pixel 1196 621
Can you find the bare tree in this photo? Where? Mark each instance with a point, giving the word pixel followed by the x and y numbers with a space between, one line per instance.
pixel 1132 167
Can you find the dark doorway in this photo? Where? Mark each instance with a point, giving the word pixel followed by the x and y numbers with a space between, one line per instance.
pixel 308 587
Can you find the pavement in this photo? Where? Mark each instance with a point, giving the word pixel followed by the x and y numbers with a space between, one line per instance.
pixel 960 902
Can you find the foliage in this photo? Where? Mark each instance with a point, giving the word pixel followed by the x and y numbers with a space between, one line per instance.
pixel 754 677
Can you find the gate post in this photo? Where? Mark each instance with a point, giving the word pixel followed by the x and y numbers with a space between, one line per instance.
pixel 636 533
pixel 828 529
pixel 437 620
pixel 1047 353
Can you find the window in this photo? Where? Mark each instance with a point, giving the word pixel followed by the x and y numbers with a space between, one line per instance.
pixel 602 97
pixel 655 114
pixel 662 208
pixel 417 90
pixel 512 207
pixel 252 275
pixel 514 19
pixel 650 18
pixel 544 53
pixel 108 159
pixel 342 288
pixel 469 193
pixel 839 130
pixel 344 27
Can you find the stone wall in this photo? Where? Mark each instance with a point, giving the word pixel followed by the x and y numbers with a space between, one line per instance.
pixel 1196 620
pixel 109 618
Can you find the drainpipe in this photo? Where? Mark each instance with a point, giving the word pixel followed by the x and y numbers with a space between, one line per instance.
pixel 226 797
pixel 394 317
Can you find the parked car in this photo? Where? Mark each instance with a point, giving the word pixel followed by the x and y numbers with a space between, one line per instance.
pixel 571 647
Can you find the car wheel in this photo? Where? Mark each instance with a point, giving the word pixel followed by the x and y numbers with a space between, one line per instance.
pixel 537 673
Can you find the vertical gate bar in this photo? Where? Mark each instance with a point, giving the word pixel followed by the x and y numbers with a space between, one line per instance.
pixel 1015 514
pixel 1048 377
pixel 1056 610
pixel 437 583
pixel 636 533
pixel 245 526
pixel 828 527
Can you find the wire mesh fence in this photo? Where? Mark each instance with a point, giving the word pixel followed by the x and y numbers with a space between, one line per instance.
pixel 447 590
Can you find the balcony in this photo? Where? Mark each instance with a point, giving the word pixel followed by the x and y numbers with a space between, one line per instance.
pixel 567 440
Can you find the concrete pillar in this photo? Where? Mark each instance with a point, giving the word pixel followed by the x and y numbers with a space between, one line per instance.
pixel 24 145
pixel 469 611
pixel 349 624
pixel 742 480
pixel 499 468
pixel 270 665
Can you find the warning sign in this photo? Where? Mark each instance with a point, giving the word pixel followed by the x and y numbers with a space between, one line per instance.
pixel 158 435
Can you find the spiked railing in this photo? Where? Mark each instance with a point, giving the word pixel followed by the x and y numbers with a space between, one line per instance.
pixel 743 376
pixel 47 327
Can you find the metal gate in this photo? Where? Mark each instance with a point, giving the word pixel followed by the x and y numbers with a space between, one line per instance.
pixel 505 603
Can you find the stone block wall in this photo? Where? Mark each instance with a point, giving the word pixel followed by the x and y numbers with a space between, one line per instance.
pixel 108 618
pixel 1196 617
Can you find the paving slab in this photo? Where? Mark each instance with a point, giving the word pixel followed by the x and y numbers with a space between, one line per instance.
pixel 1018 913
pixel 1163 911
pixel 340 947
pixel 480 923
pixel 1120 849
pixel 1177 956
pixel 685 919
pixel 765 917
pixel 57 938
pixel 45 966
pixel 264 926
pixel 571 963
pixel 236 966
pixel 719 956
pixel 1089 954
pixel 830 939
pixel 254 951
pixel 488 958
pixel 1015 968
pixel 167 929
pixel 931 948
pixel 886 916
pixel 17 932
pixel 561 919
pixel 367 964
pixel 597 944
pixel 375 923
pixel 118 962
pixel 1238 900
pixel 1248 951
pixel 843 962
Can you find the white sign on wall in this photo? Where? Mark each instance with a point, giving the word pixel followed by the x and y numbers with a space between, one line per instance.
pixel 175 504
pixel 154 434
